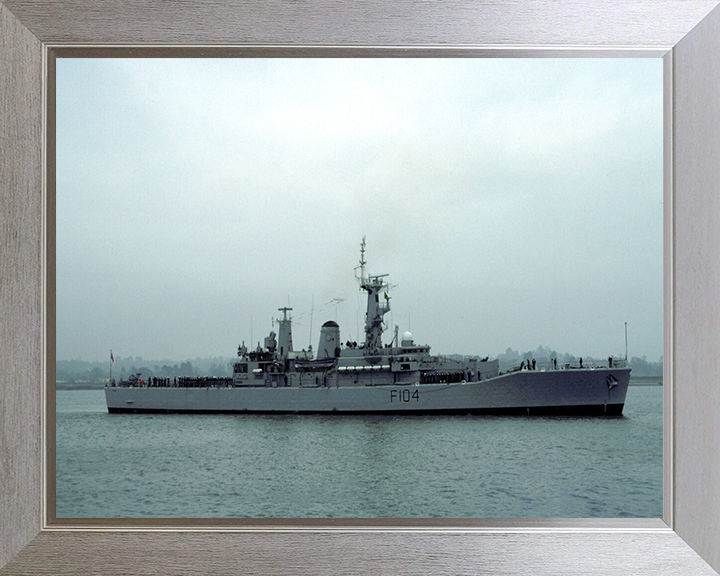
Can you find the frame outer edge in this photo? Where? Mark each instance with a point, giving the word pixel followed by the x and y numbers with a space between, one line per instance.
pixel 668 291
pixel 20 284
pixel 20 254
pixel 401 553
pixel 373 22
pixel 696 395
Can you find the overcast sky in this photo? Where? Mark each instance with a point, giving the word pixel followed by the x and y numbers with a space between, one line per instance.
pixel 514 203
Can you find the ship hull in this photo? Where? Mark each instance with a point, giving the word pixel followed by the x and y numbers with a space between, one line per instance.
pixel 571 391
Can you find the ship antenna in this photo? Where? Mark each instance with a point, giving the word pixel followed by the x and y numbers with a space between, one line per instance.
pixel 334 302
pixel 626 347
pixel 362 261
pixel 312 309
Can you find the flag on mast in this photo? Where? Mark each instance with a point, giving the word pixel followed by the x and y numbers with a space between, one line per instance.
pixel 112 360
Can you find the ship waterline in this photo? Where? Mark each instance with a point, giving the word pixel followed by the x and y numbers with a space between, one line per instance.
pixel 372 377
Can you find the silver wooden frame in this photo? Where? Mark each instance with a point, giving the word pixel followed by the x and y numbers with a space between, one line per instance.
pixel 686 33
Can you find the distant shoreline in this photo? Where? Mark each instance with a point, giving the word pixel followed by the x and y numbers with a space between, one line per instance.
pixel 646 380
pixel 79 385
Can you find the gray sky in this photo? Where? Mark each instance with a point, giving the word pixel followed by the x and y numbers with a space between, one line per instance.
pixel 514 203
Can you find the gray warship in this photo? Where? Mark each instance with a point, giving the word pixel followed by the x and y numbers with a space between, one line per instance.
pixel 397 377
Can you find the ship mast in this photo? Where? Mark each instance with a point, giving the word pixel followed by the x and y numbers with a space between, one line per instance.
pixel 285 336
pixel 377 306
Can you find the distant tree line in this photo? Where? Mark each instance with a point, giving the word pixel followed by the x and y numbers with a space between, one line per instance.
pixel 641 366
pixel 75 373
pixel 512 358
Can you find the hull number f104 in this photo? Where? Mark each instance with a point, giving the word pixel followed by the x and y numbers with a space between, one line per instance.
pixel 404 396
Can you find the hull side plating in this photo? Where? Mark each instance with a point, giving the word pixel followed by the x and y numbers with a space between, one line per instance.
pixel 581 391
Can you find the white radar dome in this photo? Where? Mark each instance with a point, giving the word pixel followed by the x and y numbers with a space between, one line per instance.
pixel 407 339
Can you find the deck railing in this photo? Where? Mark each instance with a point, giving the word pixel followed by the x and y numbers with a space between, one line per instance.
pixel 548 365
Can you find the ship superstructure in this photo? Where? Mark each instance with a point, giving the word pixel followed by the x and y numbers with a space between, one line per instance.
pixel 400 376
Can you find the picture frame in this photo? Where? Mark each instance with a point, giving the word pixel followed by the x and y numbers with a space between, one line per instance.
pixel 687 540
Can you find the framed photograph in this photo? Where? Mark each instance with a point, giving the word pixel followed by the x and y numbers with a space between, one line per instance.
pixel 678 542
pixel 503 201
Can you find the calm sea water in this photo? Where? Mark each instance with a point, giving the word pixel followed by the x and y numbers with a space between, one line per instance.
pixel 285 466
